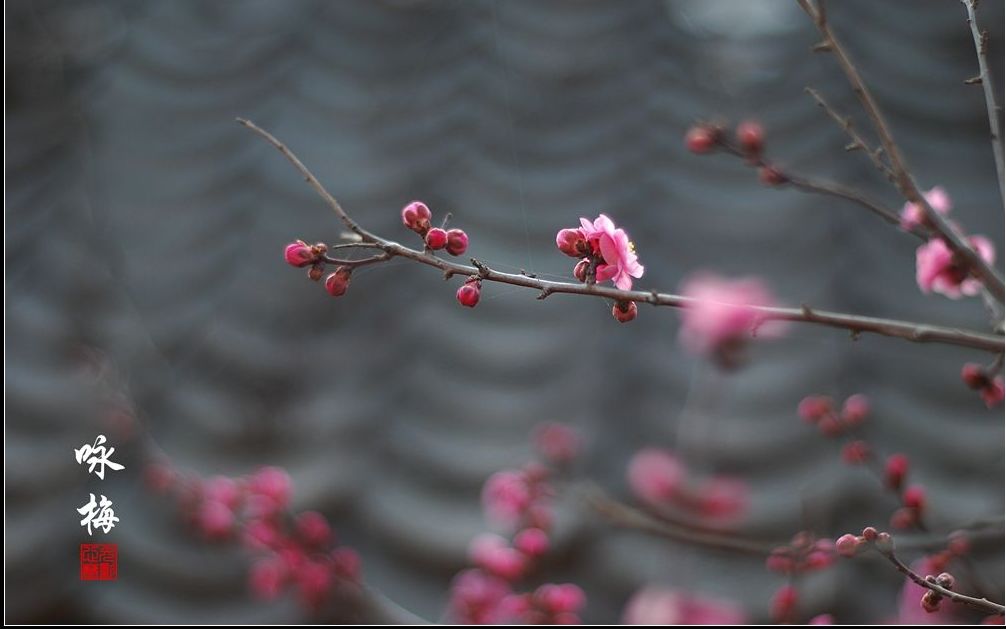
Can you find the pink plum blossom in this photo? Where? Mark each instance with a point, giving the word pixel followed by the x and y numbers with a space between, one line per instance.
pixel 665 606
pixel 938 270
pixel 655 476
pixel 506 497
pixel 914 215
pixel 492 553
pixel 620 263
pixel 480 599
pixel 722 312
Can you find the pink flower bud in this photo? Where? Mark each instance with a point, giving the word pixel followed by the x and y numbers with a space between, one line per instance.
pixel 655 476
pixel 771 176
pixel 532 542
pixel 751 137
pixel 780 560
pixel 974 376
pixel 783 603
pixel 993 393
pixel 884 542
pixel 436 238
pixel 346 563
pixel 506 497
pixel 813 407
pixel 870 534
pixel 557 443
pixel 855 409
pixel 272 483
pixel 895 470
pixel 313 528
pixel 931 602
pixel 215 520
pixel 299 254
pixel 722 497
pixel 266 578
pixel 580 270
pixel 457 242
pixel 560 598
pixel 491 553
pixel 701 139
pixel 946 580
pixel 338 283
pixel 624 311
pixel 847 545
pixel 572 242
pixel 416 216
pixel 915 497
pixel 856 452
pixel 830 426
pixel 469 293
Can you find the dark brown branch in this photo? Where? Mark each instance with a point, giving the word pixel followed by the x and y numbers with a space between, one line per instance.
pixel 916 332
pixel 904 181
pixel 982 604
pixel 858 142
pixel 985 78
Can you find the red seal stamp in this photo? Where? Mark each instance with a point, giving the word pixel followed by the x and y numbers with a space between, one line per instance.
pixel 99 562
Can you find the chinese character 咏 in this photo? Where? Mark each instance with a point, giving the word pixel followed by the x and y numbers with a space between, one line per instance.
pixel 96 455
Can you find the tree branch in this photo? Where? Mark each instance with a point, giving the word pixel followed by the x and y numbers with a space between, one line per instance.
pixel 916 332
pixel 858 142
pixel 903 179
pixel 982 604
pixel 985 78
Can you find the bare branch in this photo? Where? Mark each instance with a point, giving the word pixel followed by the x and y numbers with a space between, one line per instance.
pixel 857 140
pixel 985 79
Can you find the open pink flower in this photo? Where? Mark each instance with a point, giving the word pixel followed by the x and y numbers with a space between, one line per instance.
pixel 938 270
pixel 913 214
pixel 665 606
pixel 723 312
pixel 612 243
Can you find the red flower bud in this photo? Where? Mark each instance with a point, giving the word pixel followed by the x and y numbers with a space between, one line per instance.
pixel 895 470
pixel 457 242
pixel 847 545
pixel 931 602
pixel 974 375
pixel 783 603
pixel 751 137
pixel 855 409
pixel 771 176
pixel 701 138
pixel 532 542
pixel 416 216
pixel 436 238
pixel 299 254
pixel 580 270
pixel 571 242
pixel 915 497
pixel 813 407
pixel 870 534
pixel 624 311
pixel 337 283
pixel 469 293
pixel 316 271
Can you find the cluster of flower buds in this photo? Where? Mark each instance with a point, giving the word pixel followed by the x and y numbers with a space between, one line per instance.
pixel 417 216
pixel 519 501
pixel 748 142
pixel 850 545
pixel 605 253
pixel 832 422
pixel 931 600
pixel 803 554
pixel 293 550
pixel 913 498
pixel 659 479
pixel 300 254
pixel 988 386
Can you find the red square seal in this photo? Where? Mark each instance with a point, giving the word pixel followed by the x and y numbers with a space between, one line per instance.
pixel 99 562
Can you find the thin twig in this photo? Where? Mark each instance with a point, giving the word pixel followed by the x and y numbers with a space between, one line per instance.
pixel 911 331
pixel 985 78
pixel 904 181
pixel 983 604
pixel 858 142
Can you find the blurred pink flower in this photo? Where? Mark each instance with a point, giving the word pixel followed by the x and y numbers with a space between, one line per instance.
pixel 558 443
pixel 936 269
pixel 665 606
pixel 266 578
pixel 620 261
pixel 479 599
pixel 655 476
pixel 506 497
pixel 822 619
pixel 913 215
pixel 492 553
pixel 270 487
pixel 723 312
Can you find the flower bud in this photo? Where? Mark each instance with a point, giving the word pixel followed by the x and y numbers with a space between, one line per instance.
pixel 847 545
pixel 532 542
pixel 813 407
pixel 884 542
pixel 316 271
pixel 771 176
pixel 436 238
pixel 624 311
pixel 895 470
pixel 416 216
pixel 571 242
pixel 931 602
pixel 751 137
pixel 870 534
pixel 701 138
pixel 469 293
pixel 945 580
pixel 974 375
pixel 855 409
pixel 903 518
pixel 337 283
pixel 457 242
pixel 313 528
pixel 299 254
pixel 783 603
pixel 580 270
pixel 915 497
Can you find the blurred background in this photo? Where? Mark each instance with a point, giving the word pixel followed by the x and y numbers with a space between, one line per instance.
pixel 145 230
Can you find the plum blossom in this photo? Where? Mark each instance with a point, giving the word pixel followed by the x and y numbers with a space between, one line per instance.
pixel 723 313
pixel 656 476
pixel 605 244
pixel 506 497
pixel 914 215
pixel 938 270
pixel 480 599
pixel 655 605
